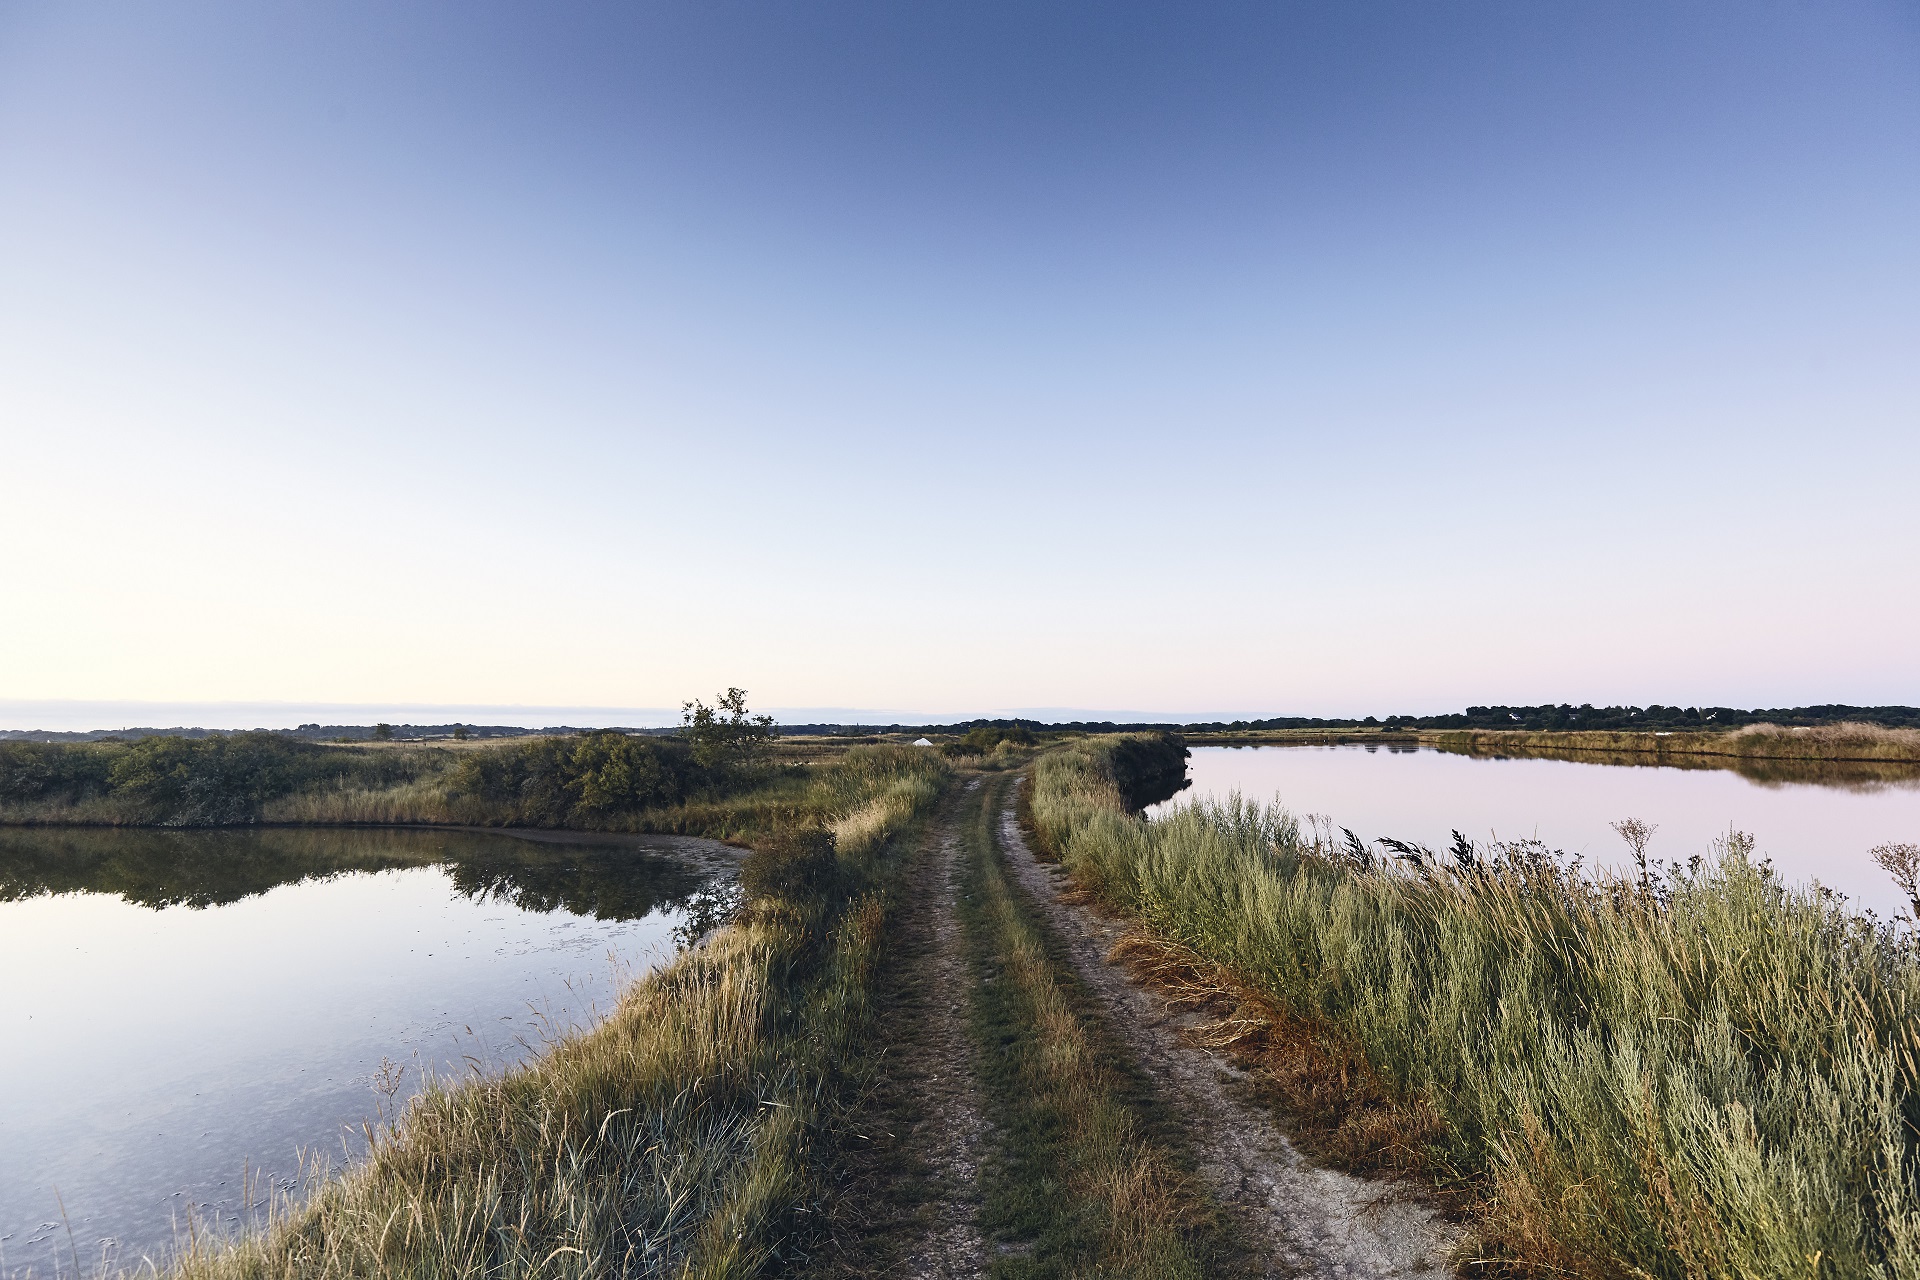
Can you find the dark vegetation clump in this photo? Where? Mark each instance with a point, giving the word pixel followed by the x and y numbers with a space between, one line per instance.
pixel 796 864
pixel 581 781
pixel 36 771
pixel 216 781
pixel 982 739
pixel 725 738
pixel 601 778
pixel 1149 768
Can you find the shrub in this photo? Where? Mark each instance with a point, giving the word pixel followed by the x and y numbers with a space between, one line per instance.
pixel 584 780
pixel 725 738
pixel 39 771
pixel 983 738
pixel 793 864
pixel 220 780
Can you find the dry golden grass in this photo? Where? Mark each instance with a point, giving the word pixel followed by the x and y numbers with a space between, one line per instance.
pixel 93 811
pixel 420 802
pixel 1847 741
pixel 1337 1105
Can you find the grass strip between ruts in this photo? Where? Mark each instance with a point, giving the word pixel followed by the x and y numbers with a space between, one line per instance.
pixel 1088 1175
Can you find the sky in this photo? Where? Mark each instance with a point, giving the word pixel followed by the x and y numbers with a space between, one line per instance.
pixel 1231 358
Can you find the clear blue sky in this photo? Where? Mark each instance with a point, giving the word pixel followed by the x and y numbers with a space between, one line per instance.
pixel 1243 358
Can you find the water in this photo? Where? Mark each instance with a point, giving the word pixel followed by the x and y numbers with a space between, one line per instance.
pixel 177 1008
pixel 1815 820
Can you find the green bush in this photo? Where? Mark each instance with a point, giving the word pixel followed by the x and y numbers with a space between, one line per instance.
pixel 211 781
pixel 584 780
pixel 983 738
pixel 222 780
pixel 43 771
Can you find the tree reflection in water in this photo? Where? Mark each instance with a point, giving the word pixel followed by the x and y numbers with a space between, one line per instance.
pixel 609 881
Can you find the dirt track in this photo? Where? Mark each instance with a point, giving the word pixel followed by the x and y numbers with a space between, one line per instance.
pixel 1312 1221
pixel 909 1206
pixel 939 1060
pixel 919 1194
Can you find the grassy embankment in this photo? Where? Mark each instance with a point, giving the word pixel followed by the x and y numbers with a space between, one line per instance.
pixel 1837 742
pixel 680 1135
pixel 1714 1075
pixel 1088 1178
pixel 602 781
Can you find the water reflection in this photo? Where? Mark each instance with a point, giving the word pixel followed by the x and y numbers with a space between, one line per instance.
pixel 180 1006
pixel 1844 775
pixel 209 868
pixel 1815 819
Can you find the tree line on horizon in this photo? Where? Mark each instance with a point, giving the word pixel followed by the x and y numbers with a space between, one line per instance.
pixel 1548 716
pixel 1545 717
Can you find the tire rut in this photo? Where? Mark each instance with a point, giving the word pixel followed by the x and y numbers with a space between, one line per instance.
pixel 1312 1222
pixel 952 1132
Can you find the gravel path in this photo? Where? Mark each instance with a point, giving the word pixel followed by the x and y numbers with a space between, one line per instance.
pixel 1314 1222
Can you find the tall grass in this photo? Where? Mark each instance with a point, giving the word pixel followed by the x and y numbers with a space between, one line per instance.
pixel 677 1137
pixel 1714 1075
pixel 415 801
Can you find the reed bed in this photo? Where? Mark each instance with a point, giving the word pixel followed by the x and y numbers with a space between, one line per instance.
pixel 677 1137
pixel 1706 1073
pixel 417 801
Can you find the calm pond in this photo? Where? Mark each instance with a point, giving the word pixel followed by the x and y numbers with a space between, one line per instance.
pixel 183 1008
pixel 1815 820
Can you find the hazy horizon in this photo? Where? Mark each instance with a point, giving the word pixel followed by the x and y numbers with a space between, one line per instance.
pixel 77 716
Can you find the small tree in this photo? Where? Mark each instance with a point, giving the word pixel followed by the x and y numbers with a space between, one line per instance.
pixel 1638 835
pixel 459 733
pixel 383 733
pixel 725 735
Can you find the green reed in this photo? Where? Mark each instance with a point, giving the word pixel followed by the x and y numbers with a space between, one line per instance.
pixel 1706 1074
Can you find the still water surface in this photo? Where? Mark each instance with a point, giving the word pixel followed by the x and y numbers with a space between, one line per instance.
pixel 1816 821
pixel 177 1007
